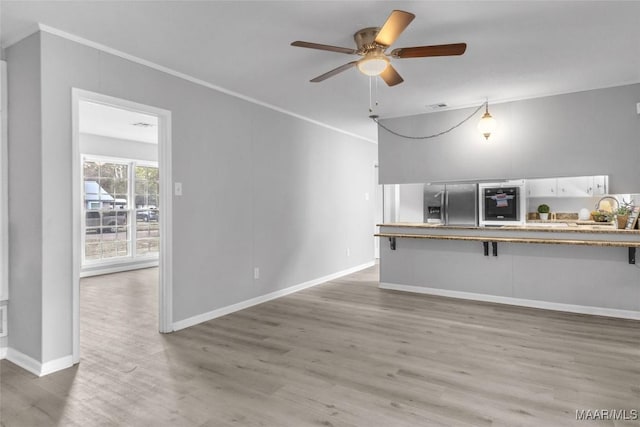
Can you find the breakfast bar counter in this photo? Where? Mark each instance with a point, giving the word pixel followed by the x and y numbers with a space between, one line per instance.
pixel 581 267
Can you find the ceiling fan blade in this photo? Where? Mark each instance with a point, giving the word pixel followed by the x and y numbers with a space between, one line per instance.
pixel 391 76
pixel 395 25
pixel 334 72
pixel 323 47
pixel 424 51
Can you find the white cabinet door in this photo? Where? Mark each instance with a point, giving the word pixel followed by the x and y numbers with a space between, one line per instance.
pixel 546 187
pixel 599 185
pixel 576 186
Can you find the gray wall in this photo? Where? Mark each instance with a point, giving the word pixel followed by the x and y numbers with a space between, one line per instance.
pixel 586 133
pixel 578 275
pixel 411 207
pixel 261 189
pixel 4 340
pixel 99 145
pixel 25 198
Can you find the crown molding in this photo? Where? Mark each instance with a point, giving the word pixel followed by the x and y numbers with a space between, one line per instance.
pixel 172 72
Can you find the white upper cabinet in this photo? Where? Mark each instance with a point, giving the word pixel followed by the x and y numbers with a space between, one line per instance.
pixel 575 186
pixel 600 185
pixel 546 187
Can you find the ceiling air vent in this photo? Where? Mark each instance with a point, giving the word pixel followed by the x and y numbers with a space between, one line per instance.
pixel 438 106
pixel 143 125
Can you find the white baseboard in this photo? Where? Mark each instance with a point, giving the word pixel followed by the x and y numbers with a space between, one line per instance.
pixel 56 365
pixel 191 321
pixel 24 361
pixel 39 369
pixel 571 308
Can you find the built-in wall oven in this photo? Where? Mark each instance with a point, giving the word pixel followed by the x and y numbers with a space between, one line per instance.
pixel 502 203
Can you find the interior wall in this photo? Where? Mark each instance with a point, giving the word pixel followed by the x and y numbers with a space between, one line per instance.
pixel 4 228
pixel 585 133
pixel 99 145
pixel 411 208
pixel 25 198
pixel 260 189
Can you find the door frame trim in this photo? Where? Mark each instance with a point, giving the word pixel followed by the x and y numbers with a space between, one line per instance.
pixel 165 284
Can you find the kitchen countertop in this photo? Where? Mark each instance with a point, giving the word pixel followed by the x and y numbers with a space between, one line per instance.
pixel 589 227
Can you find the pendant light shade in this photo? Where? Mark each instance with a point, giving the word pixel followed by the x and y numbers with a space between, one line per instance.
pixel 487 124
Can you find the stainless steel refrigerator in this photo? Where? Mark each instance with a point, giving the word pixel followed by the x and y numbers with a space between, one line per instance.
pixel 451 204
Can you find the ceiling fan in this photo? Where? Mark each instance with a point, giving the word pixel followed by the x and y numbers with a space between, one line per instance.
pixel 372 43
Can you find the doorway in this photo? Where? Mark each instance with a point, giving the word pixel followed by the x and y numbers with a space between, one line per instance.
pixel 123 201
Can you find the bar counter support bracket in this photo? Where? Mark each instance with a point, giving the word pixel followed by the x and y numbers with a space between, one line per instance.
pixel 631 246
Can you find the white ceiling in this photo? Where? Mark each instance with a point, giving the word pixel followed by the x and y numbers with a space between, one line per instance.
pixel 99 119
pixel 516 49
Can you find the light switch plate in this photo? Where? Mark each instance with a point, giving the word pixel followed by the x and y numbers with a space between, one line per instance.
pixel 638 108
pixel 177 189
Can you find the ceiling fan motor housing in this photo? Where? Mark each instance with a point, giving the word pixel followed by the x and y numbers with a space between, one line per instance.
pixel 365 40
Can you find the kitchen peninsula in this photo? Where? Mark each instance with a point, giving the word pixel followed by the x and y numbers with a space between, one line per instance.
pixel 562 266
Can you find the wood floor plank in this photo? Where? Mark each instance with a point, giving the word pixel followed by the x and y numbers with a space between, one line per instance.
pixel 344 353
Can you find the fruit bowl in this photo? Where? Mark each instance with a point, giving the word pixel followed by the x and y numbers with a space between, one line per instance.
pixel 601 216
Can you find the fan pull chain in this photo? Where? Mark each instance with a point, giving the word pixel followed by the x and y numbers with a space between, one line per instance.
pixel 373 94
pixel 370 104
pixel 376 97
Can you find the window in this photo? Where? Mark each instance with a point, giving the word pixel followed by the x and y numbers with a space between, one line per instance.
pixel 147 187
pixel 110 235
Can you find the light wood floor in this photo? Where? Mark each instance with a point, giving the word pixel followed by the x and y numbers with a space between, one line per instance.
pixel 341 354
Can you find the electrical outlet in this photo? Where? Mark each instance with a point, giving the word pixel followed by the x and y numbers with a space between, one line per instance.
pixel 348 252
pixel 177 187
pixel 366 196
pixel 256 273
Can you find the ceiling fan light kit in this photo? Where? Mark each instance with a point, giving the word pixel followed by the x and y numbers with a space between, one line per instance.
pixel 373 64
pixel 372 43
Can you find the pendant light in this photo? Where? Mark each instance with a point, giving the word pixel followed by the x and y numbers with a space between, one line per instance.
pixel 487 124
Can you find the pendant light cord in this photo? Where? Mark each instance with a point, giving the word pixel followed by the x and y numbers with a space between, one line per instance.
pixel 375 119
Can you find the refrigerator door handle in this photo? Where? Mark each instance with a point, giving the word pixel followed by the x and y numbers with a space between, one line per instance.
pixel 445 195
pixel 476 206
